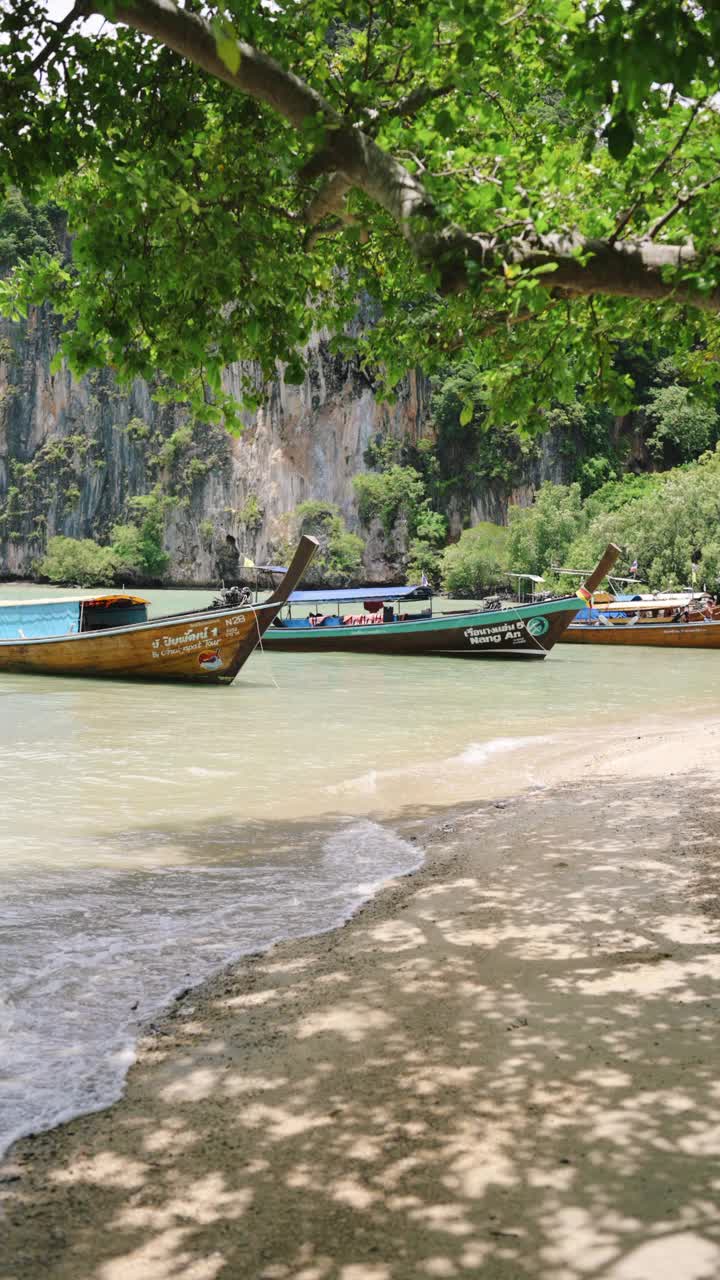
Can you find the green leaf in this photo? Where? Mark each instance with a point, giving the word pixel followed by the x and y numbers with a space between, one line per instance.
pixel 466 415
pixel 228 51
pixel 465 53
pixel 620 135
pixel 294 374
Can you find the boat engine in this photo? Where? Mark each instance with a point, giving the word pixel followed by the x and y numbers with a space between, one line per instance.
pixel 232 598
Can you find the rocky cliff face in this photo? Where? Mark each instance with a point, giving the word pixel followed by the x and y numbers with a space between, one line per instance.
pixel 72 454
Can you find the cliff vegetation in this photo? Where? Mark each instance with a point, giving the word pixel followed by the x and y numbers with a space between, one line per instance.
pixel 117 484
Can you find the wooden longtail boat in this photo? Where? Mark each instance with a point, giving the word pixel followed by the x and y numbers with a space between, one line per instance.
pixel 505 631
pixel 679 621
pixel 112 637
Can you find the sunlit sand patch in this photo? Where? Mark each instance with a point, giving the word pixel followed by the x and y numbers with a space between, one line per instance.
pixel 164 1258
pixel 200 1202
pixel 251 999
pixel 397 935
pixel 529 941
pixel 280 1123
pixel 658 975
pixel 199 1083
pixel 582 1244
pixel 687 929
pixel 436 1079
pixel 450 1219
pixel 104 1170
pixel 439 1268
pixel 364 1271
pixel 352 1192
pixel 245 1083
pixel 173 1135
pixel 480 1157
pixel 352 1021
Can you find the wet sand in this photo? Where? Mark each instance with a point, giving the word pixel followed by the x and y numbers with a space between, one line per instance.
pixel 505 1066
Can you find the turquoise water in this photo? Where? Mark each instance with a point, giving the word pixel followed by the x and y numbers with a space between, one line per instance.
pixel 150 833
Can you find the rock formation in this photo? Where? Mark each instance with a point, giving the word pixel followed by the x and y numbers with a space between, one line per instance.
pixel 72 453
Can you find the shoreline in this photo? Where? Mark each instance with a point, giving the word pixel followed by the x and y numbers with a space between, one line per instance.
pixel 267 1065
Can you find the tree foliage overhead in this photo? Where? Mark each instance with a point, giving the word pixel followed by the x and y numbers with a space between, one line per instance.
pixel 526 181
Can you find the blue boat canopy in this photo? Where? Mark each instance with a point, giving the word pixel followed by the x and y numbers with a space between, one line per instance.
pixel 60 615
pixel 594 615
pixel 32 620
pixel 348 595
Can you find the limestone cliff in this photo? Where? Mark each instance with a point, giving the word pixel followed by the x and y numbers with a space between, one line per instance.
pixel 72 453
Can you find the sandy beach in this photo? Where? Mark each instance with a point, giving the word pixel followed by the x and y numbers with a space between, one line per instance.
pixel 504 1066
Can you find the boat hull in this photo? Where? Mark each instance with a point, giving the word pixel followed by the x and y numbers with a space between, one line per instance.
pixel 528 631
pixel 661 635
pixel 205 648
pixel 208 647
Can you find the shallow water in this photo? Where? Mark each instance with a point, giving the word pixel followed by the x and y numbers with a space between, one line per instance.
pixel 150 833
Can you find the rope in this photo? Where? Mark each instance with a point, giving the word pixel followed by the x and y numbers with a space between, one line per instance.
pixel 540 646
pixel 262 647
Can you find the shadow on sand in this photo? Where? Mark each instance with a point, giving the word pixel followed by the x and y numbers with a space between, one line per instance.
pixel 505 1067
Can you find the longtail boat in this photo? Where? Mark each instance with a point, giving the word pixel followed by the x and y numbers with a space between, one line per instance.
pixel 681 620
pixel 502 630
pixel 110 635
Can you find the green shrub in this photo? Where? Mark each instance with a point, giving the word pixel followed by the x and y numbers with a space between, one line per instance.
pixel 175 445
pixel 540 535
pixel 137 429
pixel 388 495
pixel 682 426
pixel 478 562
pixel 339 556
pixel 251 513
pixel 153 559
pixel 77 562
pixel 25 230
pixel 668 522
pixel 424 560
pixel 126 547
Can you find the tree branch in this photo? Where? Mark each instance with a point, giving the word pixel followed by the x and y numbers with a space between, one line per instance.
pixel 626 217
pixel 681 203
pixel 79 10
pixel 329 199
pixel 418 98
pixel 582 265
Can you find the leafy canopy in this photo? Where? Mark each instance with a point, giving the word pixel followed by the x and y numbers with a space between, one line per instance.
pixel 529 182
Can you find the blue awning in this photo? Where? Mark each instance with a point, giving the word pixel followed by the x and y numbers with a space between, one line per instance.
pixel 33 620
pixel 594 615
pixel 348 595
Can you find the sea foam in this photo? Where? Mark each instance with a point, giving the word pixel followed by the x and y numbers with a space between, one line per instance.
pixel 88 958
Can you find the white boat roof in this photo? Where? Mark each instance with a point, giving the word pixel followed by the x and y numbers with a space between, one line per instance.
pixel 629 604
pixel 93 597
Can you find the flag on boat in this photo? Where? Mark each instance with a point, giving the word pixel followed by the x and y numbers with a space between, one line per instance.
pixel 248 563
pixel 584 595
pixel 634 567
